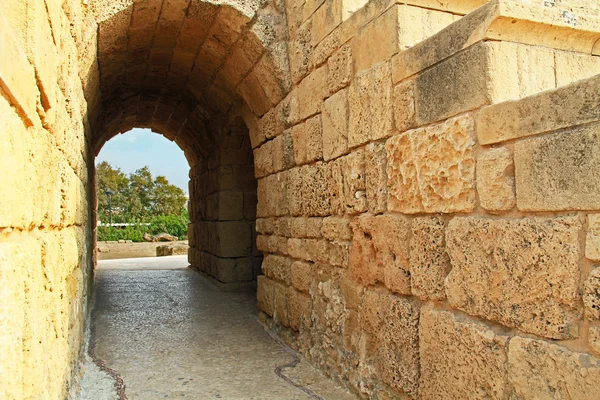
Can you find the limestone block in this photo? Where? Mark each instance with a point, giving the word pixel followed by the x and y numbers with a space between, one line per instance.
pixel 299 309
pixel 280 310
pixel 234 238
pixel 559 172
pixel 495 180
pixel 592 240
pixel 282 226
pixel 335 125
pixel 346 184
pixel 376 177
pixel 265 296
pixel 278 244
pixel 17 76
pixel 311 93
pixel 302 275
pixel 591 295
pixel 325 19
pixel 352 292
pixel 315 201
pixel 306 227
pixel 541 370
pixel 393 323
pixel 460 358
pixel 230 206
pixel 277 268
pixel 379 252
pixel 455 85
pixel 594 338
pixel 308 140
pixel 300 49
pixel 522 273
pixel 429 263
pixel 295 186
pixel 336 228
pixel 418 182
pixel 370 105
pixel 571 67
pixel 404 105
pixel 548 111
pixel 339 67
pixel 262 243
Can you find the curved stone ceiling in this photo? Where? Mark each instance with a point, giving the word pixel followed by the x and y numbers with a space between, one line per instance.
pixel 174 65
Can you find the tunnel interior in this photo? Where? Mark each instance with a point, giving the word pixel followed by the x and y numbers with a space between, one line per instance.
pixel 201 74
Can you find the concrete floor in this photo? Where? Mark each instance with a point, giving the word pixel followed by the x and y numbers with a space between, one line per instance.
pixel 170 334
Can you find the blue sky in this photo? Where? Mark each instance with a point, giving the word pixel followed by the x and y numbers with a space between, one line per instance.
pixel 140 147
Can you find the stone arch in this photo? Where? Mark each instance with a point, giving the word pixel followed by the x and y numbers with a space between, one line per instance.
pixel 199 73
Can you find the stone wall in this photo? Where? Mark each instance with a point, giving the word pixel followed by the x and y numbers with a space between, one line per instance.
pixel 45 239
pixel 425 177
pixel 223 212
pixel 426 199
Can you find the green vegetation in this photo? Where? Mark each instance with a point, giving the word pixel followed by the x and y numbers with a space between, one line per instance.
pixel 151 205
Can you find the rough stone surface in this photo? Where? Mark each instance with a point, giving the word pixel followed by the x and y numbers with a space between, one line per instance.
pixel 379 252
pixel 594 339
pixel 370 105
pixel 419 182
pixel 460 358
pixel 591 295
pixel 592 240
pixel 429 263
pixel 541 370
pixel 559 172
pixel 495 180
pixel 522 273
pixel 335 125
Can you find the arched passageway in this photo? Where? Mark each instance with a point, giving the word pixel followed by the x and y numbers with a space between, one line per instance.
pixel 427 179
pixel 199 73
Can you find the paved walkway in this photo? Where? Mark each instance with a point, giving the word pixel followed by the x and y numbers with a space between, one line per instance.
pixel 171 334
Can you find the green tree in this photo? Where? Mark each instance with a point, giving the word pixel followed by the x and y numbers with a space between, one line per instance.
pixel 108 177
pixel 137 197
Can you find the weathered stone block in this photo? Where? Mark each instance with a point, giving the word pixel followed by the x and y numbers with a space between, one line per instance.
pixel 404 105
pixel 308 140
pixel 541 370
pixel 302 275
pixel 522 273
pixel 559 172
pixel 594 338
pixel 339 69
pixel 418 183
pixel 545 112
pixel 299 309
pixel 379 252
pixel 234 238
pixel 591 295
pixel 278 268
pixel 376 177
pixel 572 67
pixel 455 85
pixel 311 93
pixel 346 184
pixel 495 180
pixel 460 358
pixel 370 105
pixel 315 201
pixel 592 239
pixel 336 228
pixel 265 296
pixel 280 311
pixel 429 263
pixel 392 321
pixel 335 125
